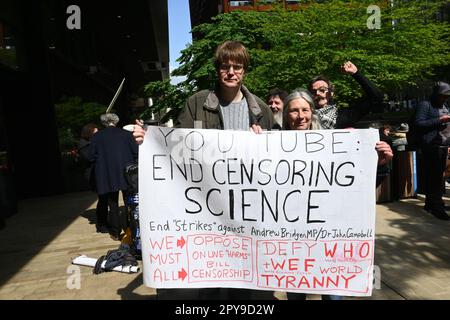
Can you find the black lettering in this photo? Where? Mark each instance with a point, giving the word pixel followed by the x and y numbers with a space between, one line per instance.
pixel 207 202
pixel 288 172
pixel 313 207
pixel 231 201
pixel 184 173
pixel 267 142
pixel 166 135
pixel 282 146
pixel 337 142
pixel 319 138
pixel 246 204
pixel 265 200
pixel 298 173
pixel 155 167
pixel 192 200
pixel 244 170
pixel 311 173
pixel 284 205
pixel 229 171
pixel 328 178
pixel 199 166
pixel 214 171
pixel 218 142
pixel 193 141
pixel 266 173
pixel 352 178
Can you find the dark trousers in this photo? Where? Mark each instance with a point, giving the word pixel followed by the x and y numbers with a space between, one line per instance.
pixel 302 296
pixel 111 201
pixel 434 160
pixel 296 296
pixel 214 294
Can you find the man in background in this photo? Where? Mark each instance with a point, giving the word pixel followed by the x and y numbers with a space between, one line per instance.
pixel 333 117
pixel 275 101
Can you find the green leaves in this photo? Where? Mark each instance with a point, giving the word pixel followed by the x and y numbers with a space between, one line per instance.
pixel 168 99
pixel 288 48
pixel 71 115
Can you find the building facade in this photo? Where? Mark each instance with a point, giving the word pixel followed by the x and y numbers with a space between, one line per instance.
pixel 51 49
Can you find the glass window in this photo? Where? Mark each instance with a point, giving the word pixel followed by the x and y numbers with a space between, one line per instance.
pixel 8 54
pixel 240 3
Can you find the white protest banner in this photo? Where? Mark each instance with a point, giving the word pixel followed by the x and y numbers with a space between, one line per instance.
pixel 285 210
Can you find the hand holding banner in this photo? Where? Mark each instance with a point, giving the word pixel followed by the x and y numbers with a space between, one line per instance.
pixel 286 210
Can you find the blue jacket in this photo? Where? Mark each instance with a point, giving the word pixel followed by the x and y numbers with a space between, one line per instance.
pixel 427 122
pixel 112 149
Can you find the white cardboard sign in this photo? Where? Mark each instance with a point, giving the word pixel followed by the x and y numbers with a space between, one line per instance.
pixel 283 210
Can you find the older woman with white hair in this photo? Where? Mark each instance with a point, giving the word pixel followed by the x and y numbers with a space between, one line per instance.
pixel 109 119
pixel 299 114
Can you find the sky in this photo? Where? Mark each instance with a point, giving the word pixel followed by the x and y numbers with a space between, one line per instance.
pixel 179 31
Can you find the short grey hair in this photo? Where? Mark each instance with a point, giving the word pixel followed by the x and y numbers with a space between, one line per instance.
pixel 109 119
pixel 305 95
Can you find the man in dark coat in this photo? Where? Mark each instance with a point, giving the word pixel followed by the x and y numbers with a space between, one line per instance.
pixel 111 150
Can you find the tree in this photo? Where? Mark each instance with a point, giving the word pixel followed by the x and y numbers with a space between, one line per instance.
pixel 71 115
pixel 168 99
pixel 288 48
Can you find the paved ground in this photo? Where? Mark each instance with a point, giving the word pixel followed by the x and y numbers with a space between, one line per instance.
pixel 39 242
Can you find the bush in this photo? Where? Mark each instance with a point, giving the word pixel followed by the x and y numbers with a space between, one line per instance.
pixel 71 115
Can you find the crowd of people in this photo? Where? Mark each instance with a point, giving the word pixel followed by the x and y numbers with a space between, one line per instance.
pixel 231 106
